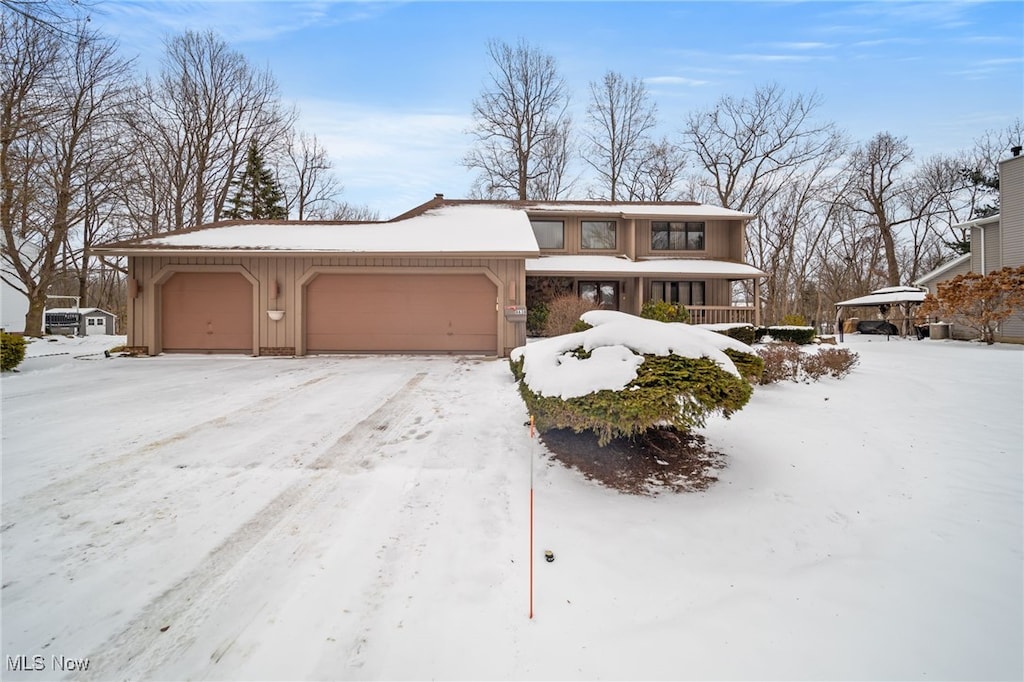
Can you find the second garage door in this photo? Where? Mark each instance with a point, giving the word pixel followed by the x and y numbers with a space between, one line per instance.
pixel 401 313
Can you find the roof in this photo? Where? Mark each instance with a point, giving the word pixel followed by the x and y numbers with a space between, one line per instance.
pixel 886 296
pixel 979 222
pixel 618 209
pixel 457 230
pixel 943 269
pixel 622 266
pixel 83 311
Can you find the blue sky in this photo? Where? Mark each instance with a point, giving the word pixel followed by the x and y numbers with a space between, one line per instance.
pixel 388 86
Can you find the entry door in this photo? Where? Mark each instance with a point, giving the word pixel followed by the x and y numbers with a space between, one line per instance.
pixel 605 294
pixel 95 325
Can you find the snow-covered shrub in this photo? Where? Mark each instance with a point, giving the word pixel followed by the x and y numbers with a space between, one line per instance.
pixel 12 351
pixel 798 335
pixel 626 375
pixel 835 362
pixel 781 361
pixel 663 311
pixel 565 311
pixel 785 360
pixel 744 333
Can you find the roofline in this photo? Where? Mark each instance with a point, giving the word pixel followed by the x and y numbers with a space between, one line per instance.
pixel 160 250
pixel 127 243
pixel 944 268
pixel 979 222
pixel 532 205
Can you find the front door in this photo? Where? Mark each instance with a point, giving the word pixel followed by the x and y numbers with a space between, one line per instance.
pixel 604 294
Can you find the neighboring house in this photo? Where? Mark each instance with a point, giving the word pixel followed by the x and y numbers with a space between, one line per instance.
pixel 13 308
pixel 447 276
pixel 996 242
pixel 79 321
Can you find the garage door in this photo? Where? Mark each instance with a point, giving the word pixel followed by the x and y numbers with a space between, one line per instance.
pixel 207 311
pixel 414 313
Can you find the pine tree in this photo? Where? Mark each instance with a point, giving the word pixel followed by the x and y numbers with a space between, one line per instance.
pixel 258 196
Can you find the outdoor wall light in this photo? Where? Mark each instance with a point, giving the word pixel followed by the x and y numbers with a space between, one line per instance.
pixel 275 315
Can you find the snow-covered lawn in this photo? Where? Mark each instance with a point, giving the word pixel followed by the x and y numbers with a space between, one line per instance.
pixel 194 517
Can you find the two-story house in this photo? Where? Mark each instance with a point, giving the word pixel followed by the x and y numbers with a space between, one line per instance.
pixel 996 242
pixel 447 276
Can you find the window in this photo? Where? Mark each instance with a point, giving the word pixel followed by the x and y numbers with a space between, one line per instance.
pixel 604 294
pixel 550 234
pixel 684 293
pixel 676 236
pixel 598 234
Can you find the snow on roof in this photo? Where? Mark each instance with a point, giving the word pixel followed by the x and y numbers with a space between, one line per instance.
pixel 614 342
pixel 888 295
pixel 651 210
pixel 943 269
pixel 620 265
pixel 83 311
pixel 448 229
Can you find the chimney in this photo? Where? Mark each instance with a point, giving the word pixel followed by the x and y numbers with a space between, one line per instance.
pixel 1016 150
pixel 440 197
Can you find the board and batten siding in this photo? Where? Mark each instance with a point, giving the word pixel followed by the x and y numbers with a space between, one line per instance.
pixel 289 273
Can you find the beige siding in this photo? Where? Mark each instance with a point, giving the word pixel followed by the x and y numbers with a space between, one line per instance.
pixel 722 241
pixel 289 272
pixel 1011 210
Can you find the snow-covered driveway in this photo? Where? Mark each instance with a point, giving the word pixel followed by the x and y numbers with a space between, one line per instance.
pixel 191 517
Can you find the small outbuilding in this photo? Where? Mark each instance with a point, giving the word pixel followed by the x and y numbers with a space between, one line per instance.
pixel 79 321
pixel 903 299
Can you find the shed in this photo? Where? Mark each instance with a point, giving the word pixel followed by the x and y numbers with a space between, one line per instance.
pixel 80 321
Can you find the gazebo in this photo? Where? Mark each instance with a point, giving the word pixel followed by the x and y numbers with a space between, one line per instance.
pixel 884 299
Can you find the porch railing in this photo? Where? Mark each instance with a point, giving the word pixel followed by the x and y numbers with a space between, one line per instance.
pixel 719 314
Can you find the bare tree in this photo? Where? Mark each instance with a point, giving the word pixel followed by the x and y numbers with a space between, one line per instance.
pixel 201 115
pixel 883 191
pixel 751 148
pixel 619 117
pixel 654 174
pixel 310 187
pixel 61 99
pixel 520 119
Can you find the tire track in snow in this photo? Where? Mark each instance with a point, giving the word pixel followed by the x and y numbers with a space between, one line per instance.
pixel 97 476
pixel 147 642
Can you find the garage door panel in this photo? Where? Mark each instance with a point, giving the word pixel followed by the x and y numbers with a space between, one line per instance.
pixel 393 313
pixel 207 311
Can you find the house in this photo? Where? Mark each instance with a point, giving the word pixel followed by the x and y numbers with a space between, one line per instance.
pixel 79 321
pixel 996 242
pixel 447 276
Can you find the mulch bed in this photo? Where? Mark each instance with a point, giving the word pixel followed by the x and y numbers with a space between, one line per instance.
pixel 659 461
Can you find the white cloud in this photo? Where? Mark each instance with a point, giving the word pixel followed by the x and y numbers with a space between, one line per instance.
pixel 674 80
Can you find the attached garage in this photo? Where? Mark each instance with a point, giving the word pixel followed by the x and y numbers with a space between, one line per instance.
pixel 401 313
pixel 440 279
pixel 207 312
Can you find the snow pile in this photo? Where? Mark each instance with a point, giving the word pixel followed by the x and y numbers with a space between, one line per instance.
pixel 616 344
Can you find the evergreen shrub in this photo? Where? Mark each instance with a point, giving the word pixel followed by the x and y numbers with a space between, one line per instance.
pixel 744 334
pixel 663 311
pixel 668 390
pixel 536 318
pixel 12 351
pixel 798 335
pixel 749 365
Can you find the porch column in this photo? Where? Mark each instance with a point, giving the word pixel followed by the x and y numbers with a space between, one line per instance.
pixel 757 301
pixel 638 297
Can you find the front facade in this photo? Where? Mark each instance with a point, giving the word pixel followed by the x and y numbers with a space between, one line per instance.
pixel 446 277
pixel 620 255
pixel 996 242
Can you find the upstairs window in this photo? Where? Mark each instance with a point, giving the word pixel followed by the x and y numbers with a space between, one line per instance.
pixel 677 236
pixel 598 234
pixel 550 234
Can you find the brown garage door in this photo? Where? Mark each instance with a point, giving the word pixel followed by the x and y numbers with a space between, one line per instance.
pixel 396 313
pixel 207 311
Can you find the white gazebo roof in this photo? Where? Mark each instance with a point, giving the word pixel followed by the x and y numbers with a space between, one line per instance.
pixel 886 296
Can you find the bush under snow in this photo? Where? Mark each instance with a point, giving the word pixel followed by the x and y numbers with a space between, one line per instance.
pixel 627 374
